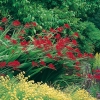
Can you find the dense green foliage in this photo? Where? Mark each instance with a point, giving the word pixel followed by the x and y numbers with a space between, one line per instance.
pixel 48 22
pixel 54 13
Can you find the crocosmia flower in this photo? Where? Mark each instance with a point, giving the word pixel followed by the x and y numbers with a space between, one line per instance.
pixel 16 23
pixel 1 28
pixel 66 26
pixel 7 37
pixel 51 66
pixel 4 20
pixel 2 64
pixel 14 64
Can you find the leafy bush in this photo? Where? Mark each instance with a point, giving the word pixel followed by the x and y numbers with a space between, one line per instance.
pixel 89 36
pixel 71 12
pixel 96 19
pixel 20 88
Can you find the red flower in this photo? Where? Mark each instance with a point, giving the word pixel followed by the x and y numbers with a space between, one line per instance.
pixel 49 55
pixel 86 55
pixel 21 37
pixel 74 42
pixel 51 66
pixel 34 23
pixel 66 26
pixel 70 55
pixel 42 63
pixel 77 50
pixel 13 41
pixel 90 55
pixel 22 32
pixel 1 28
pixel 97 76
pixel 69 47
pixel 7 37
pixel 60 29
pixel 79 55
pixel 77 63
pixel 4 20
pixel 97 71
pixel 2 64
pixel 34 63
pixel 52 30
pixel 14 64
pixel 58 36
pixel 16 23
pixel 67 39
pixel 24 43
pixel 59 53
pixel 27 25
pixel 90 76
pixel 78 74
pixel 77 67
pixel 76 34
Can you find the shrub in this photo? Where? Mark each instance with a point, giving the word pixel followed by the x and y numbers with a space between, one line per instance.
pixel 89 36
pixel 20 88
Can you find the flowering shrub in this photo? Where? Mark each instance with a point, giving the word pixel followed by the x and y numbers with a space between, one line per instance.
pixel 20 88
pixel 40 52
pixel 82 94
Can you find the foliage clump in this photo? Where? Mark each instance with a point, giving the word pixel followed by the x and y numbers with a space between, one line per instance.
pixel 20 88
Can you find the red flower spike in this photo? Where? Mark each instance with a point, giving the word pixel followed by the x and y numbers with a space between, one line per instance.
pixel 70 55
pixel 34 63
pixel 90 55
pixel 59 53
pixel 74 42
pixel 58 36
pixel 77 63
pixel 80 55
pixel 67 26
pixel 51 66
pixel 67 40
pixel 52 30
pixel 14 64
pixel 76 34
pixel 69 47
pixel 13 41
pixel 21 37
pixel 42 63
pixel 7 37
pixel 60 29
pixel 2 64
pixel 4 20
pixel 90 76
pixel 34 24
pixel 49 55
pixel 16 23
pixel 97 71
pixel 86 55
pixel 77 68
pixel 1 28
pixel 24 43
pixel 27 25
pixel 97 76
pixel 22 32
pixel 77 50
pixel 78 74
